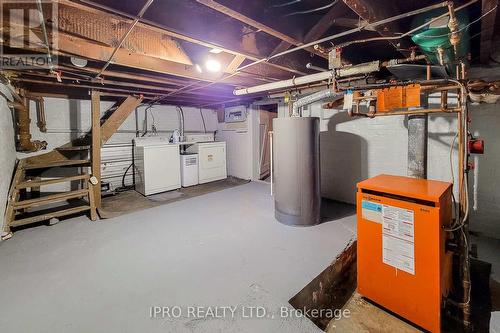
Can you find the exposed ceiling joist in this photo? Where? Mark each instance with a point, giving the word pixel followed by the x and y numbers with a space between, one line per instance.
pixel 487 29
pixel 255 24
pixel 106 83
pixel 235 63
pixel 43 84
pixel 125 35
pixel 168 31
pixel 80 47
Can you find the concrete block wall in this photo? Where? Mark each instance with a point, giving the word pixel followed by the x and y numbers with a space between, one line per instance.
pixel 68 119
pixel 353 149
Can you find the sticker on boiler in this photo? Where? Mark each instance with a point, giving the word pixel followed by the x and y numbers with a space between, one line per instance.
pixel 398 238
pixel 371 211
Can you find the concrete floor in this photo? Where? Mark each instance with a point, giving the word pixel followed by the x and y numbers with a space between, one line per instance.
pixel 131 201
pixel 219 249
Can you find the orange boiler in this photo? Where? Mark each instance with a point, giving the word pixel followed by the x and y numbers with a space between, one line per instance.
pixel 402 262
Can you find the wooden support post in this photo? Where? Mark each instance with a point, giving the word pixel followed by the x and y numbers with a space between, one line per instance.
pixel 96 147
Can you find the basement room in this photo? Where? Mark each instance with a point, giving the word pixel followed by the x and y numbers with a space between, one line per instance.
pixel 249 166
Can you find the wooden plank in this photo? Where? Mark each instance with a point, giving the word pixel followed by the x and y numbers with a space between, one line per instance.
pixel 53 164
pixel 235 63
pixel 38 183
pixel 12 198
pixel 487 29
pixel 67 148
pixel 367 317
pixel 96 147
pixel 48 216
pixel 154 26
pixel 118 117
pixel 53 198
pixel 83 48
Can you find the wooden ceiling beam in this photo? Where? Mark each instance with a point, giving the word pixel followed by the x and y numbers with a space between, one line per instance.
pixel 487 29
pixel 153 26
pixel 104 83
pixel 255 24
pixel 77 46
pixel 40 84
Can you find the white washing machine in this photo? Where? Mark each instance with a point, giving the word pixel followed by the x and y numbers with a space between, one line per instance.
pixel 189 170
pixel 158 165
pixel 211 160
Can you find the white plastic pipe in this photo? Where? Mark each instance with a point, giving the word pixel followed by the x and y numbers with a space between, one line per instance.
pixel 286 83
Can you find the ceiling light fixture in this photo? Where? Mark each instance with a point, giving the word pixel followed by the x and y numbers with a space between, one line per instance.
pixel 213 65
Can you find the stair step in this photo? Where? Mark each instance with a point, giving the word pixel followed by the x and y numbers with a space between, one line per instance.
pixel 48 216
pixel 61 163
pixel 38 183
pixel 50 199
pixel 86 147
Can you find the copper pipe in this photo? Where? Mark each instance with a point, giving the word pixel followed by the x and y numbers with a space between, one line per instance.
pixel 400 113
pixel 40 112
pixel 444 99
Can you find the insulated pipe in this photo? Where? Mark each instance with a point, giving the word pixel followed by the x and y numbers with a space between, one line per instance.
pixel 417 146
pixel 286 83
pixel 316 68
pixel 23 122
pixel 317 96
pixel 417 140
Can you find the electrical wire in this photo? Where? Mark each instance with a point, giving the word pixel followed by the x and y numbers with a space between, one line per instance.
pixel 312 10
pixel 286 4
pixel 343 45
pixel 463 28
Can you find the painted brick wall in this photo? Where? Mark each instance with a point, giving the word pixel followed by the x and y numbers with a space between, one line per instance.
pixel 356 149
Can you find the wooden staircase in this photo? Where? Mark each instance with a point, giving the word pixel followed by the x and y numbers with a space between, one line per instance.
pixel 26 204
pixel 26 207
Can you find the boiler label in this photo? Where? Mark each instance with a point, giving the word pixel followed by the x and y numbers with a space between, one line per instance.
pixel 371 211
pixel 398 238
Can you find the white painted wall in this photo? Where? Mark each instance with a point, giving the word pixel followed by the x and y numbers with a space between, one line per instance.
pixel 69 119
pixel 353 149
pixel 7 154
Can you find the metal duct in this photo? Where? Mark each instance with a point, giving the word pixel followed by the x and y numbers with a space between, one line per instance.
pixel 317 96
pixel 297 196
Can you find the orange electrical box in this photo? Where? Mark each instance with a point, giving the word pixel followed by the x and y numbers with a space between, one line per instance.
pixel 402 262
pixel 398 97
